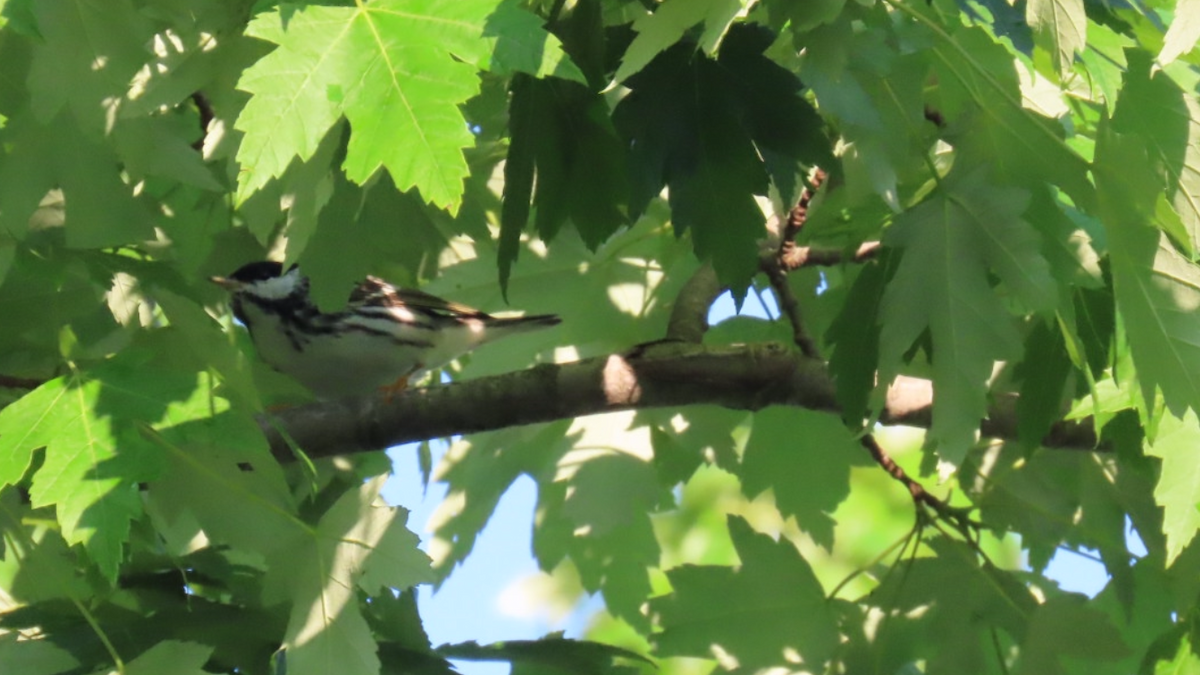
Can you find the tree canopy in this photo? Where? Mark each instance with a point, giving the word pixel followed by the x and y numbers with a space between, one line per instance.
pixel 980 222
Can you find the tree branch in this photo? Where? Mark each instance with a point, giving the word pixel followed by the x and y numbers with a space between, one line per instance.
pixel 11 382
pixel 921 497
pixel 808 256
pixel 689 315
pixel 772 264
pixel 745 377
pixel 789 304
pixel 207 114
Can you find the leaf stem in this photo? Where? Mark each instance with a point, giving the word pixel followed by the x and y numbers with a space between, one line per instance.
pixel 103 637
pixel 900 543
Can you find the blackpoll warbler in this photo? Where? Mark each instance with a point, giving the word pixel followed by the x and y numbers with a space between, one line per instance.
pixel 383 337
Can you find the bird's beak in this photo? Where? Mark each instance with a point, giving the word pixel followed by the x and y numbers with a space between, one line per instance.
pixel 226 283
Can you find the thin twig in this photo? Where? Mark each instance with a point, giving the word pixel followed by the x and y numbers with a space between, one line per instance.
pixel 799 212
pixel 809 256
pixel 207 115
pixel 920 496
pixel 789 304
pixel 776 269
pixel 10 382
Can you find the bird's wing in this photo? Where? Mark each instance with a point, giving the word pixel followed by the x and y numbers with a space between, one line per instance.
pixel 375 292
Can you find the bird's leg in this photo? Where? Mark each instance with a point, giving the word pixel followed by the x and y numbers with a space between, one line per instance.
pixel 401 383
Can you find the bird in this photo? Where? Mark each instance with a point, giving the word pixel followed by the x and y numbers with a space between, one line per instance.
pixel 385 336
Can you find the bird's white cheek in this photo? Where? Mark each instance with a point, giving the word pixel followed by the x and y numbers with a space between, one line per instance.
pixel 277 288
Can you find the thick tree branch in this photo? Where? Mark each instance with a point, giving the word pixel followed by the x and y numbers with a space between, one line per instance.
pixel 748 377
pixel 689 316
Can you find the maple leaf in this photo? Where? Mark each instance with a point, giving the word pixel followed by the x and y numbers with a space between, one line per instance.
pixel 950 242
pixel 397 70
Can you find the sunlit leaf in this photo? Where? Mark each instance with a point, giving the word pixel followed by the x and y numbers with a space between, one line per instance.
pixel 1061 24
pixel 1178 489
pixel 95 452
pixel 1182 33
pixel 664 27
pixel 359 542
pixel 392 68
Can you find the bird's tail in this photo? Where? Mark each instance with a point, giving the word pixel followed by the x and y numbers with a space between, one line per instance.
pixel 520 324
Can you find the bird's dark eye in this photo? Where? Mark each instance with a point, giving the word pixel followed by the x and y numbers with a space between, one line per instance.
pixel 257 271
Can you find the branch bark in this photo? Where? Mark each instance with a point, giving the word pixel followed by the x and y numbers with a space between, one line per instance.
pixel 671 374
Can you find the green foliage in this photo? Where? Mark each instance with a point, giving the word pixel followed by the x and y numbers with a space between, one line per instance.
pixel 1025 177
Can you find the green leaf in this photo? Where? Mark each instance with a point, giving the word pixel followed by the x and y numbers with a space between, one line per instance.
pixel 666 25
pixel 1061 25
pixel 478 472
pixel 594 518
pixel 34 657
pixel 958 605
pixel 1156 287
pixel 686 128
pixel 804 16
pixel 1066 627
pixel 100 208
pixel 1043 374
pixel 359 542
pixel 978 85
pixel 1182 32
pixel 826 70
pixel 1178 491
pixel 89 54
pixel 855 337
pixel 786 129
pixel 188 58
pixel 512 40
pixel 41 568
pixel 221 476
pixel 161 146
pixel 340 60
pixel 740 330
pixel 770 604
pixel 519 165
pixel 1185 661
pixel 1166 117
pixel 610 493
pixel 1104 60
pixel 1037 498
pixel 197 333
pixel 171 657
pixel 95 454
pixel 398 70
pixel 562 130
pixel 941 285
pixel 805 458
